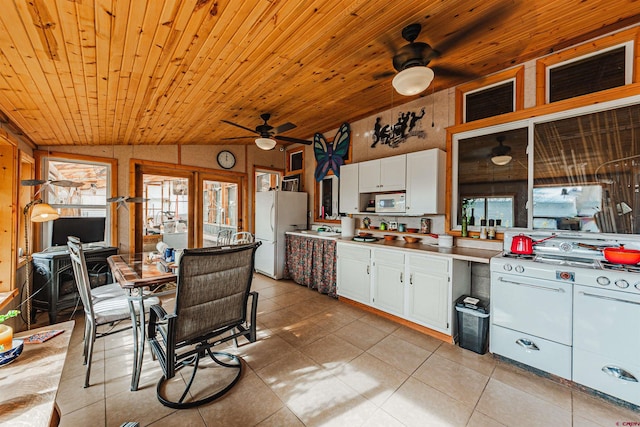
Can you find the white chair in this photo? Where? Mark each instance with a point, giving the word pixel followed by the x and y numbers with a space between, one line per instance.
pixel 241 237
pixel 224 237
pixel 107 304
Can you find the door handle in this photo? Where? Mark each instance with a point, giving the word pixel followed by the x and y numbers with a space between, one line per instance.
pixel 401 277
pixel 619 373
pixel 368 267
pixel 586 294
pixel 528 285
pixel 411 279
pixel 527 344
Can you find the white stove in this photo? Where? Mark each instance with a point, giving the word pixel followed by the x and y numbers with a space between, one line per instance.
pixel 566 311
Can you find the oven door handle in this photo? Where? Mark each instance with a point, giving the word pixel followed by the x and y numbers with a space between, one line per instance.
pixel 527 345
pixel 544 288
pixel 619 373
pixel 586 294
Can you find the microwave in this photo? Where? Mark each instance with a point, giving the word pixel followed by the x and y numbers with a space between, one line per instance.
pixel 392 202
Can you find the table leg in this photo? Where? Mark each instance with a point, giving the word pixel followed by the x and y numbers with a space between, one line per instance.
pixel 138 338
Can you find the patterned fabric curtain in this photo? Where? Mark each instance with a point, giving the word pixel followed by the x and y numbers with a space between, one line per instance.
pixel 311 262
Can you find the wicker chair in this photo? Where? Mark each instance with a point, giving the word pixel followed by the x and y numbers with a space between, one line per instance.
pixel 212 296
pixel 107 304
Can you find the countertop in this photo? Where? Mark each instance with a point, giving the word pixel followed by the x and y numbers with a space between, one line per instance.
pixel 30 383
pixel 427 247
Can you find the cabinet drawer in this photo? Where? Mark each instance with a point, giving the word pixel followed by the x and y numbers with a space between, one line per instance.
pixel 388 257
pixel 353 251
pixel 550 356
pixel 588 370
pixel 434 264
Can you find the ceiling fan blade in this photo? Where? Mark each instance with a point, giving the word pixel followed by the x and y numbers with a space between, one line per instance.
pixel 495 16
pixel 136 200
pixel 32 182
pixel 240 137
pixel 283 128
pixel 66 183
pixel 116 199
pixel 295 140
pixel 383 75
pixel 444 71
pixel 240 126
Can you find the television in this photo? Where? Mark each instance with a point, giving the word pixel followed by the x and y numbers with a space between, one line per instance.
pixel 87 229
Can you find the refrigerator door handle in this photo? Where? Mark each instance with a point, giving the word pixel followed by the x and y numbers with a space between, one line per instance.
pixel 272 216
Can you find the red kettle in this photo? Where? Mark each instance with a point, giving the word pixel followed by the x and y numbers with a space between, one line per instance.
pixel 523 245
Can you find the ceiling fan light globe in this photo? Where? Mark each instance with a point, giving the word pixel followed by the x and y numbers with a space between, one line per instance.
pixel 43 212
pixel 501 160
pixel 265 143
pixel 412 80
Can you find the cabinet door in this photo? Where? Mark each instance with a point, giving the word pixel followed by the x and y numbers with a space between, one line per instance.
pixel 388 281
pixel 349 191
pixel 369 176
pixel 353 276
pixel 428 291
pixel 393 173
pixel 426 182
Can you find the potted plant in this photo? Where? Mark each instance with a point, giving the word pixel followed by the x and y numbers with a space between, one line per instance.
pixel 6 332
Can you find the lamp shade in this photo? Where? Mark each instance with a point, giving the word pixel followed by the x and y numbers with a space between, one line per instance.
pixel 265 143
pixel 501 160
pixel 412 80
pixel 43 212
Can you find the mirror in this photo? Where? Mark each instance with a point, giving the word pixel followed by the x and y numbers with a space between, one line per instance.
pixel 492 178
pixel 587 172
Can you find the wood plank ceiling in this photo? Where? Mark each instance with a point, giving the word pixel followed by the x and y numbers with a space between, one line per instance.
pixel 168 71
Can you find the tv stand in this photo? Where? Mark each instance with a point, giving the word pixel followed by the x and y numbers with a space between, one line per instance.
pixel 54 286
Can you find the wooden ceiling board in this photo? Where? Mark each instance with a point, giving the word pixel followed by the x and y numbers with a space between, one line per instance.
pixel 168 71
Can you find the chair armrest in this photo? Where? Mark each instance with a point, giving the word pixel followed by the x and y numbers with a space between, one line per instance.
pixel 157 314
pixel 254 310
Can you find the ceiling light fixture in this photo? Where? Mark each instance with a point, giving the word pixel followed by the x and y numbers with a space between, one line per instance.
pixel 265 143
pixel 500 154
pixel 413 80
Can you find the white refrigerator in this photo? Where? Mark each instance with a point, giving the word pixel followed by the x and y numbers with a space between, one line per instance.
pixel 276 212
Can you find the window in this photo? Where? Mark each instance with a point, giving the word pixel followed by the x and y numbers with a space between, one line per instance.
pixel 591 73
pixel 490 101
pixel 86 185
pixel 328 197
pixel 478 208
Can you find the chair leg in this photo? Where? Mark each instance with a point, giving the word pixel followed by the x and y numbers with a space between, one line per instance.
pixel 90 340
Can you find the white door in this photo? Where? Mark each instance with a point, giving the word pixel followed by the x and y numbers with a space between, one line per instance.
pixel 265 212
pixel 388 281
pixel 353 275
pixel 428 291
pixel 369 176
pixel 349 192
pixel 426 175
pixel 266 258
pixel 393 173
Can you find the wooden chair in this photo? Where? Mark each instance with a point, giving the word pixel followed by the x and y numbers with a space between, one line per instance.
pixel 241 237
pixel 107 304
pixel 212 295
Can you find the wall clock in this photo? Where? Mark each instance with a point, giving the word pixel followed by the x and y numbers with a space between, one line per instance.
pixel 226 159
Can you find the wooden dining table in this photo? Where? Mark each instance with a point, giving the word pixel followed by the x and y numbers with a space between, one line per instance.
pixel 142 275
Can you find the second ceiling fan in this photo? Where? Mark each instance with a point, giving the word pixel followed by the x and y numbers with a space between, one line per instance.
pixel 267 134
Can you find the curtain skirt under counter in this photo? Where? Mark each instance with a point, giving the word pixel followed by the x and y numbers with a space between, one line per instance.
pixel 311 262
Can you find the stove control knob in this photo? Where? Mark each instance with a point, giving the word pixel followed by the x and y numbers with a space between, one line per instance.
pixel 519 269
pixel 603 281
pixel 622 284
pixel 637 285
pixel 507 267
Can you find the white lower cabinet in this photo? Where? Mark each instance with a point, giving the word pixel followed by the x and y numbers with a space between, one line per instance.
pixel 354 273
pixel 415 287
pixel 388 281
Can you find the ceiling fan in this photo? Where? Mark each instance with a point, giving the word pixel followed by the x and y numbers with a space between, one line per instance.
pixel 268 135
pixel 411 61
pixel 45 183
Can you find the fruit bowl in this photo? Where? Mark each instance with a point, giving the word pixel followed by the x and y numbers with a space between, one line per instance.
pixel 12 354
pixel 390 237
pixel 411 239
pixel 412 230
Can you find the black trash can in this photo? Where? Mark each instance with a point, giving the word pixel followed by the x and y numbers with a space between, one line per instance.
pixel 473 323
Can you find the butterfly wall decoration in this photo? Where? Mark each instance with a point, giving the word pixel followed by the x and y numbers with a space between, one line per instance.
pixel 331 155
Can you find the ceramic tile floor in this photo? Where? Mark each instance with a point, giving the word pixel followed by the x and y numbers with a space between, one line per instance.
pixel 322 362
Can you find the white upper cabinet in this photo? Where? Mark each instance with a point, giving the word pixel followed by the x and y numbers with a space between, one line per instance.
pixel 349 197
pixel 426 174
pixel 382 175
